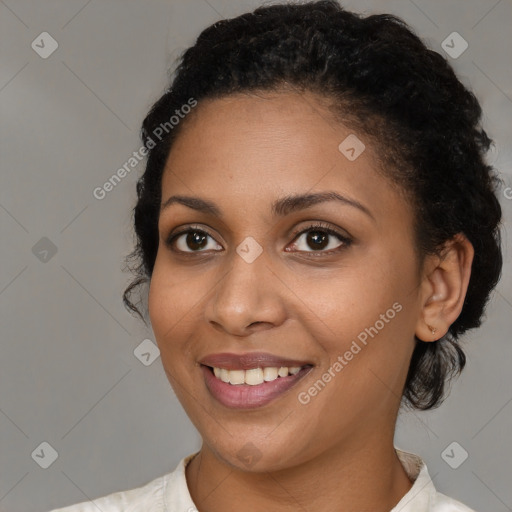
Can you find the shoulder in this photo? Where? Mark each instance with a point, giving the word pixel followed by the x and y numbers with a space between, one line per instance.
pixel 442 503
pixel 168 489
pixel 147 497
pixel 423 495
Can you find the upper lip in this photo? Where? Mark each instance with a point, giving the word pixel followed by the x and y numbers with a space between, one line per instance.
pixel 249 361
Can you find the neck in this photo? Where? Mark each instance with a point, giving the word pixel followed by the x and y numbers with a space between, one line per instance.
pixel 367 477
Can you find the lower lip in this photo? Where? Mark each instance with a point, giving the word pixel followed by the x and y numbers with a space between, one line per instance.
pixel 244 396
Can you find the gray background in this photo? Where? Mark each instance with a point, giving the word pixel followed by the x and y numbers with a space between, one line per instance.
pixel 69 376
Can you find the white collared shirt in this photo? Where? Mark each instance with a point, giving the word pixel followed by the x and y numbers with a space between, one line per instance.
pixel 169 493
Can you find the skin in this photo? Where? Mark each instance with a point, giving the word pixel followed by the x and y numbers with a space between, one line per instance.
pixel 336 452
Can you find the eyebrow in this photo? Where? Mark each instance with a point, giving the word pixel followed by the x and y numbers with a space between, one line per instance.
pixel 281 207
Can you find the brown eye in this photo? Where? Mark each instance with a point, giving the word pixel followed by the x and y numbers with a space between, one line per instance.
pixel 191 240
pixel 320 238
pixel 317 240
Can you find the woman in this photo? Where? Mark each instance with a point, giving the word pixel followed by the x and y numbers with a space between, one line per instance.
pixel 318 227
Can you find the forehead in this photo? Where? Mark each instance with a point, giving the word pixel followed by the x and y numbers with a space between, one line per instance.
pixel 247 150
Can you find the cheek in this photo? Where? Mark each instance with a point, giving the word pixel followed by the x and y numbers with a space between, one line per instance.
pixel 171 306
pixel 161 304
pixel 354 297
pixel 171 311
pixel 367 315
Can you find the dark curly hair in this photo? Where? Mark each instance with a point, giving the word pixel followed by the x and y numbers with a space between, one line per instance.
pixel 380 79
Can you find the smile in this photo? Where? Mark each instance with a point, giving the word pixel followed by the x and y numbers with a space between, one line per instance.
pixel 252 388
pixel 254 376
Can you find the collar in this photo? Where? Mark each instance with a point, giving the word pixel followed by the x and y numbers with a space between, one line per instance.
pixel 422 493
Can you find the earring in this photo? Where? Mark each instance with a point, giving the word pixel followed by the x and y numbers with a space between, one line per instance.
pixel 433 330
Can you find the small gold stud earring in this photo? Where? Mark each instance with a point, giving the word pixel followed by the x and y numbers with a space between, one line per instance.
pixel 433 330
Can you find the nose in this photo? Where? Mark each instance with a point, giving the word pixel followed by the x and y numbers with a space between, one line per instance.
pixel 248 298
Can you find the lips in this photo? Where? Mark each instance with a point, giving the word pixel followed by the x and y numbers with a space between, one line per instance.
pixel 256 394
pixel 249 361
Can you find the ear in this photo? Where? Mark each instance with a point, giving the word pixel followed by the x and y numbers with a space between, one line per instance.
pixel 443 288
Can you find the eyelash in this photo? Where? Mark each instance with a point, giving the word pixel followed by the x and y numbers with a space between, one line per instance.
pixel 317 226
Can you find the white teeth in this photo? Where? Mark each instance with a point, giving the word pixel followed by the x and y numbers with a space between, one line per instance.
pixel 283 371
pixel 254 376
pixel 269 374
pixel 236 376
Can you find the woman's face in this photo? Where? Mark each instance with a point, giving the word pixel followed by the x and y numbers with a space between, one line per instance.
pixel 258 282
